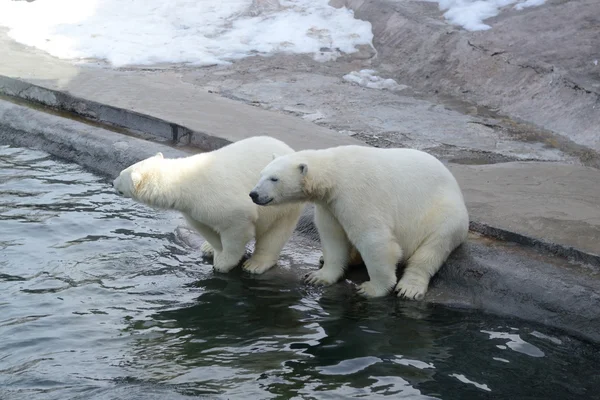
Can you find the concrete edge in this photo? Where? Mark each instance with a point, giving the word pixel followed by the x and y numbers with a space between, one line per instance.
pixel 107 114
pixel 178 134
pixel 567 252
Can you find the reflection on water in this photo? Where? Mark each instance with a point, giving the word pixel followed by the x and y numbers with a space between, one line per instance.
pixel 100 299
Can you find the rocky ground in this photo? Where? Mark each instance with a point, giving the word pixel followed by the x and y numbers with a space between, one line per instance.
pixel 525 90
pixel 453 130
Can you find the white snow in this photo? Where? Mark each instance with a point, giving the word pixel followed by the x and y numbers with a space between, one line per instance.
pixel 201 32
pixel 367 78
pixel 529 3
pixel 470 14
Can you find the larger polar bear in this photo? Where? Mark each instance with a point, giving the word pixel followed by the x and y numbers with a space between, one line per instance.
pixel 211 191
pixel 390 204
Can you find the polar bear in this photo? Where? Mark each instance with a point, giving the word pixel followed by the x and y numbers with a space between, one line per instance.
pixel 389 204
pixel 211 191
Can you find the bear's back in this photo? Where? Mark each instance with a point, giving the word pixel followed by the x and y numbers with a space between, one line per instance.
pixel 239 164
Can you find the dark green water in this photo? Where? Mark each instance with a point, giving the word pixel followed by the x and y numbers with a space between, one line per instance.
pixel 100 300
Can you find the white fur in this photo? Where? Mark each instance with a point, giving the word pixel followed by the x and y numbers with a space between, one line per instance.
pixel 390 204
pixel 212 191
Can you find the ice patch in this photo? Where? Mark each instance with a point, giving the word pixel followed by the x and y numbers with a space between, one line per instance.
pixel 199 32
pixel 470 14
pixel 366 78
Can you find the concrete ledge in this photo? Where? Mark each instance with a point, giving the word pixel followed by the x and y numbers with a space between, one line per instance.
pixel 101 151
pixel 471 178
pixel 555 249
pixel 513 280
pixel 108 114
pixel 307 226
pixel 147 101
pixel 550 206
pixel 482 274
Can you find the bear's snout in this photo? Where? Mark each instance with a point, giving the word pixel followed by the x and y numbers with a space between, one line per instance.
pixel 257 199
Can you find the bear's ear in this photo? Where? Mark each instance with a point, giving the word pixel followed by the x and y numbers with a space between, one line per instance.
pixel 303 169
pixel 275 155
pixel 159 155
pixel 136 179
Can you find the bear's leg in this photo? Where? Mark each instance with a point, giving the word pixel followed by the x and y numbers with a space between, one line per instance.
pixel 354 259
pixel 422 265
pixel 336 248
pixel 207 250
pixel 269 244
pixel 234 241
pixel 212 239
pixel 381 254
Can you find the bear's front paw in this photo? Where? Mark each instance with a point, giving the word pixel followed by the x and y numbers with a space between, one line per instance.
pixel 257 266
pixel 412 288
pixel 370 289
pixel 321 277
pixel 207 250
pixel 224 263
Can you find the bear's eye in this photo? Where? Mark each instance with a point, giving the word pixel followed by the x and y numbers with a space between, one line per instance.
pixel 274 179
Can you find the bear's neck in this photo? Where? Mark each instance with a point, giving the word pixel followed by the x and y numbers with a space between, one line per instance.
pixel 162 186
pixel 318 184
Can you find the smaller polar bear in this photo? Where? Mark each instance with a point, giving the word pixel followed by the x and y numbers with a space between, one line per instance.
pixel 211 191
pixel 389 204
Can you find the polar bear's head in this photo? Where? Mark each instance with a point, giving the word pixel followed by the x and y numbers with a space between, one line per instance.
pixel 131 179
pixel 282 181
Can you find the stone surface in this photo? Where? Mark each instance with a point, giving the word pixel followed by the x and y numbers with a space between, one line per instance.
pixel 556 203
pixel 537 64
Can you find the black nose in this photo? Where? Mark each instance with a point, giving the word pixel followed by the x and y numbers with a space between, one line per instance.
pixel 253 195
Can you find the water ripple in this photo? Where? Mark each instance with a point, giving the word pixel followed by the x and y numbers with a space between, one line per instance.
pixel 103 298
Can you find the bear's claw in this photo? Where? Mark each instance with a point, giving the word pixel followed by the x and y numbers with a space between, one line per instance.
pixel 207 250
pixel 370 289
pixel 256 267
pixel 411 289
pixel 321 278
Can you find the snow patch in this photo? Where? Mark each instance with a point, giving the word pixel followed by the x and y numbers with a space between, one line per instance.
pixel 529 3
pixel 199 32
pixel 470 14
pixel 368 79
